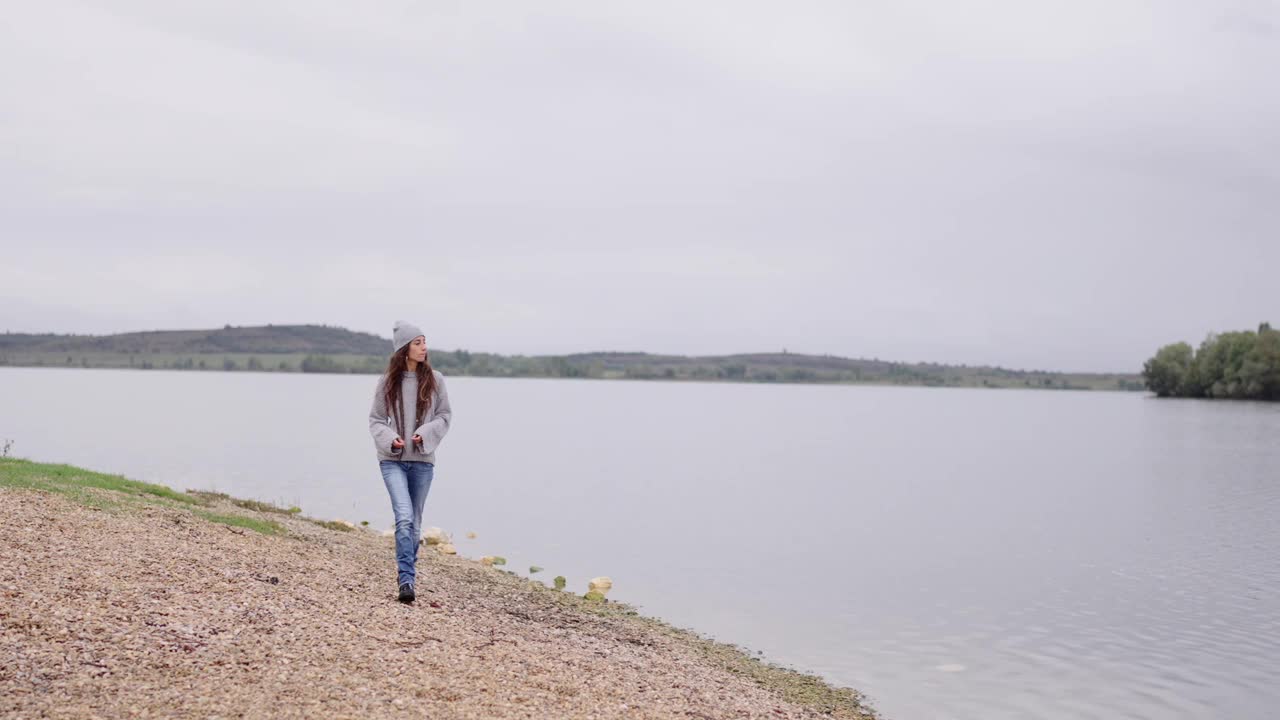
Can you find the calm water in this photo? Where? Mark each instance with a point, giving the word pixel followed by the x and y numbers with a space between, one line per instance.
pixel 953 553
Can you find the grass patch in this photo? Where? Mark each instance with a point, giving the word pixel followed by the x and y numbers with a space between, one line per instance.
pixel 264 507
pixel 74 481
pixel 208 497
pixel 105 491
pixel 331 525
pixel 266 527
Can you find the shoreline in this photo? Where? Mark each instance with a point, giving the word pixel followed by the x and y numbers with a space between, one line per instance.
pixel 122 597
pixel 677 380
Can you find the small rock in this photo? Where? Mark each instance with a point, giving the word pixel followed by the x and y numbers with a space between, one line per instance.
pixel 446 549
pixel 600 584
pixel 435 536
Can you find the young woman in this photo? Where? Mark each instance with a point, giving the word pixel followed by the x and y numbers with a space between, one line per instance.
pixel 409 418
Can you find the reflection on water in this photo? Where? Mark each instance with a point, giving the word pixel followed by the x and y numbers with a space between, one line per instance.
pixel 953 553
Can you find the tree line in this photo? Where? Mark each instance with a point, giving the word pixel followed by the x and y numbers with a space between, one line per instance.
pixel 1243 365
pixel 323 349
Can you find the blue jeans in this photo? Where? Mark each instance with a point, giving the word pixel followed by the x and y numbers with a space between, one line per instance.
pixel 408 484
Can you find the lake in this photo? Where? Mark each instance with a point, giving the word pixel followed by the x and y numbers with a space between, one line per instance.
pixel 953 553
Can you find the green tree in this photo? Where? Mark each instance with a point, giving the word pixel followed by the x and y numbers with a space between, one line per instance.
pixel 321 364
pixel 1166 373
pixel 559 367
pixel 1260 372
pixel 1235 365
pixel 1220 362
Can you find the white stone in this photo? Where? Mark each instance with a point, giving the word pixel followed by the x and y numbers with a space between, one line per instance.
pixel 435 536
pixel 600 584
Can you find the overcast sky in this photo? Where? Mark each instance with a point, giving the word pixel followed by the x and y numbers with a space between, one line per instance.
pixel 1063 185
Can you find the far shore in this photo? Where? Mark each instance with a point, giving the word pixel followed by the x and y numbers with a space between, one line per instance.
pixel 123 598
pixel 335 350
pixel 1008 380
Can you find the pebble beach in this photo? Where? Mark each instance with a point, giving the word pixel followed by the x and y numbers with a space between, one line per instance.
pixel 123 604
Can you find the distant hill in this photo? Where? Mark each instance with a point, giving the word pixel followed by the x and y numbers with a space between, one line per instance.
pixel 267 340
pixel 320 348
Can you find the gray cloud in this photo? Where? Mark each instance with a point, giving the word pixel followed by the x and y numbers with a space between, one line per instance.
pixel 1050 184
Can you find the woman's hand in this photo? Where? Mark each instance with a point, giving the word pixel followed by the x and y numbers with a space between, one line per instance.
pixel 417 440
pixel 397 444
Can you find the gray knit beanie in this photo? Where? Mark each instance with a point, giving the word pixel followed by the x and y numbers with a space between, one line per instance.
pixel 403 334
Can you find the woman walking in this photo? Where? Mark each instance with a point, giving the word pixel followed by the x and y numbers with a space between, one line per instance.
pixel 409 418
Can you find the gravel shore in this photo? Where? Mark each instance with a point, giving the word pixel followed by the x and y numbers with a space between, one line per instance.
pixel 150 610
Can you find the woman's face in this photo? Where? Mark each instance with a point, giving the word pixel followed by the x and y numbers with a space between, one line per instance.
pixel 418 349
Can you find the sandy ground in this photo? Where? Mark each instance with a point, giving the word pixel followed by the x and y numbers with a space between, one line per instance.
pixel 150 611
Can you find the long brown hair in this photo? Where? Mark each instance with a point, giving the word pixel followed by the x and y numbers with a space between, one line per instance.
pixel 396 367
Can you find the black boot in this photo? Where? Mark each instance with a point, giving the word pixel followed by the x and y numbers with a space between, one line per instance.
pixel 406 593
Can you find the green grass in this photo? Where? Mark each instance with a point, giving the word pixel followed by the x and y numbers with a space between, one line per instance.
pixel 210 496
pixel 264 507
pixel 254 505
pixel 266 527
pixel 105 491
pixel 330 525
pixel 68 479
